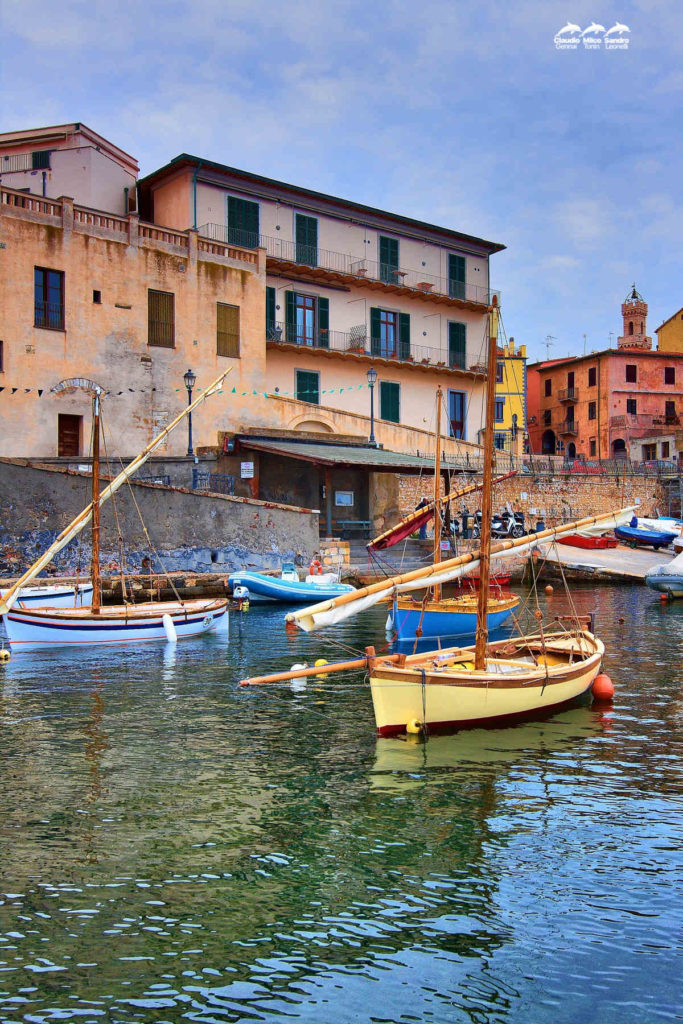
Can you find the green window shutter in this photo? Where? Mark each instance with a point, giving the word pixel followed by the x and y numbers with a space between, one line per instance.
pixel 375 344
pixel 270 313
pixel 403 335
pixel 457 345
pixel 388 258
pixel 456 276
pixel 307 386
pixel 306 229
pixel 243 223
pixel 290 317
pixel 323 322
pixel 389 401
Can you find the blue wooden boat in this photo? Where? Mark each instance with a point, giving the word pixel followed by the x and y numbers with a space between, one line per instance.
pixel 288 588
pixel 636 536
pixel 446 618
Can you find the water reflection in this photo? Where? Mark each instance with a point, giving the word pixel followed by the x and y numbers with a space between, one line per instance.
pixel 174 848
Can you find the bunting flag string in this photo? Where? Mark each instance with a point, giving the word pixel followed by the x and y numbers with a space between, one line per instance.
pixel 7 390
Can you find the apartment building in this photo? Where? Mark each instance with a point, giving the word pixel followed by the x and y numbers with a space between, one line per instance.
pixel 349 289
pixel 510 409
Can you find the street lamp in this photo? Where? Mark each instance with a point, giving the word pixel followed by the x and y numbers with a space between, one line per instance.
pixel 372 379
pixel 190 379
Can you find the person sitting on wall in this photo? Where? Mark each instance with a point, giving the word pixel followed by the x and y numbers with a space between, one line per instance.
pixel 422 503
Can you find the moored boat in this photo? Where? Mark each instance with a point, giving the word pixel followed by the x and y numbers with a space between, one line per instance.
pixel 54 595
pixel 288 588
pixel 667 578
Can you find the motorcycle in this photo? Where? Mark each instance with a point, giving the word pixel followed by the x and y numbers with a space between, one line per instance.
pixel 508 524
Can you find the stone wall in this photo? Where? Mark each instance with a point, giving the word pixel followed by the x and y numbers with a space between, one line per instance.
pixel 183 530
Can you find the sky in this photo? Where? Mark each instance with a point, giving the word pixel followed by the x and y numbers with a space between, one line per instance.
pixel 465 115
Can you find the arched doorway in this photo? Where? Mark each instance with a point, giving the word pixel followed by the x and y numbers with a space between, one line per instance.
pixel 571 451
pixel 548 445
pixel 619 448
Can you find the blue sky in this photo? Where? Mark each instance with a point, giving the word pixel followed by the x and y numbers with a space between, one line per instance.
pixel 460 114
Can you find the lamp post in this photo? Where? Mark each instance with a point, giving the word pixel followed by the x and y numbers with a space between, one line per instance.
pixel 372 379
pixel 190 380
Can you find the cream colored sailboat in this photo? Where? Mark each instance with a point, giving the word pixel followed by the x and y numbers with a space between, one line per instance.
pixel 37 628
pixel 484 683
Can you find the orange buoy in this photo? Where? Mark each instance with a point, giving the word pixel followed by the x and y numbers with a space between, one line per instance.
pixel 664 598
pixel 549 589
pixel 603 687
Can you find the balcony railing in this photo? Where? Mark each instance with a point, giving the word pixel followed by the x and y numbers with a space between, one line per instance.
pixel 641 420
pixel 568 395
pixel 358 342
pixel 568 427
pixel 351 266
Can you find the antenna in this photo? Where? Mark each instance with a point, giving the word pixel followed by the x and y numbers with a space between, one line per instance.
pixel 549 342
pixel 584 344
pixel 611 335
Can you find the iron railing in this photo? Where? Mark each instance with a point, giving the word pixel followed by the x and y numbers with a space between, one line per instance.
pixel 217 483
pixel 568 395
pixel 568 427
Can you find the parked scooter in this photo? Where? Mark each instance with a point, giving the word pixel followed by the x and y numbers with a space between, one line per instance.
pixel 508 523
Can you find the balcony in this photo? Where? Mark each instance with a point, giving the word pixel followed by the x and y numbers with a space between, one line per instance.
pixel 568 395
pixel 357 343
pixel 569 428
pixel 325 265
pixel 640 421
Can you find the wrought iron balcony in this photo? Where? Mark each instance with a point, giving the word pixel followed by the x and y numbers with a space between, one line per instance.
pixel 357 342
pixel 568 427
pixel 568 395
pixel 361 269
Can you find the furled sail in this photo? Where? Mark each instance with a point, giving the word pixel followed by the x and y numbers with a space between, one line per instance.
pixel 421 516
pixel 337 609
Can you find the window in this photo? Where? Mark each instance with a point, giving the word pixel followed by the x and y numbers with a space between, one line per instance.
pixel 548 387
pixel 307 320
pixel 570 381
pixel 161 319
pixel 389 334
pixel 40 160
pixel 592 376
pixel 306 233
pixel 49 298
pixel 344 499
pixel 97 297
pixel 457 346
pixel 69 432
pixel 592 410
pixel 243 223
pixel 227 330
pixel 670 410
pixel 389 401
pixel 630 327
pixel 593 447
pixel 499 372
pixel 547 417
pixel 631 406
pixel 308 386
pixel 388 259
pixel 666 448
pixel 631 373
pixel 669 374
pixel 500 441
pixel 456 276
pixel 2 356
pixel 271 325
pixel 456 414
pixel 649 452
pixel 500 410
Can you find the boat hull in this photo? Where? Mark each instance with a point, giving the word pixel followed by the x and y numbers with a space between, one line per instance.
pixel 30 630
pixel 451 621
pixel 466 699
pixel 272 589
pixel 54 596
pixel 664 583
pixel 644 538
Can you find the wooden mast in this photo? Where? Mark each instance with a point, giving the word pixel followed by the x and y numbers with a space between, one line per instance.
pixel 486 502
pixel 437 491
pixel 95 526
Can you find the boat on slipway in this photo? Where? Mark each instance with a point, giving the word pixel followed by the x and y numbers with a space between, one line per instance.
pixel 287 588
pixel 667 578
pixel 487 683
pixel 38 628
pixel 54 595
pixel 638 536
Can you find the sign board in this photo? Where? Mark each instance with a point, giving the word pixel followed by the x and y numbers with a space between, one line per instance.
pixel 247 470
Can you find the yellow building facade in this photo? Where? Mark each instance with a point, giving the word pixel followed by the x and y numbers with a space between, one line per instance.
pixel 670 334
pixel 510 416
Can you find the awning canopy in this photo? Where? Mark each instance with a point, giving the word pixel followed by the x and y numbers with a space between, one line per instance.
pixel 322 454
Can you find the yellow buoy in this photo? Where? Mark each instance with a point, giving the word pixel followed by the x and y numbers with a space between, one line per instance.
pixel 4 654
pixel 318 664
pixel 414 726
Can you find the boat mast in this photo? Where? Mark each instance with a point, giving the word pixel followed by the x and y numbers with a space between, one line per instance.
pixel 437 491
pixel 95 526
pixel 485 551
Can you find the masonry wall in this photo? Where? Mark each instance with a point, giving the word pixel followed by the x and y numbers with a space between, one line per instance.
pixel 188 531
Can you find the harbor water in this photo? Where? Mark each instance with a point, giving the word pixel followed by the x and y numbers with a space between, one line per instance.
pixel 176 848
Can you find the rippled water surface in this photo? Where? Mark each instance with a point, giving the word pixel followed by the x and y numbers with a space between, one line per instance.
pixel 175 848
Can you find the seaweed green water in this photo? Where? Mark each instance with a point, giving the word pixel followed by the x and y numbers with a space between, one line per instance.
pixel 174 848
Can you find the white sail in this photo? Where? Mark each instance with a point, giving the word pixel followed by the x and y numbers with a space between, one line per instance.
pixel 328 613
pixel 84 517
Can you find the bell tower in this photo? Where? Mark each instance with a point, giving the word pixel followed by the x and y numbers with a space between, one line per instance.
pixel 634 312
